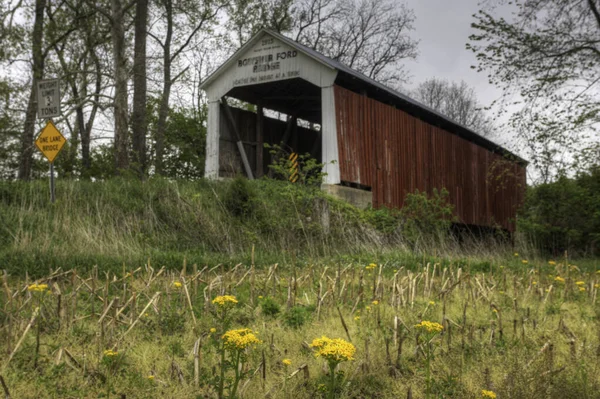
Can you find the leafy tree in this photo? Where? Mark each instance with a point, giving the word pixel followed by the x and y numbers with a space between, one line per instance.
pixel 184 141
pixel 564 215
pixel 546 58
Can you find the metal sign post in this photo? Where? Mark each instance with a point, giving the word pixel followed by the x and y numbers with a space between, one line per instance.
pixel 50 141
pixel 52 196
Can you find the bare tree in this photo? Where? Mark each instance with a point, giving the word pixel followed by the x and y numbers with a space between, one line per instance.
pixel 457 101
pixel 37 66
pixel 138 117
pixel 195 16
pixel 246 17
pixel 117 18
pixel 370 36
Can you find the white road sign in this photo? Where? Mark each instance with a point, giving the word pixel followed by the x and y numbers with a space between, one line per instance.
pixel 48 92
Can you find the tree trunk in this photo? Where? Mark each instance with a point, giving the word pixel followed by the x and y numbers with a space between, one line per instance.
pixel 163 112
pixel 139 124
pixel 120 107
pixel 86 134
pixel 26 156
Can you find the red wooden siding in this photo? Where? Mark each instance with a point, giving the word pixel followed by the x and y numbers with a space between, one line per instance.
pixel 395 153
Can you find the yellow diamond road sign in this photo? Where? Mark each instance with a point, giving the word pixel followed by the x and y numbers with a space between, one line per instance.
pixel 50 141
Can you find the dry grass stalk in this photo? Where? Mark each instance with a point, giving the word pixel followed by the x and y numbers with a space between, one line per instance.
pixel 189 301
pixel 344 324
pixel 31 321
pixel 4 388
pixel 154 298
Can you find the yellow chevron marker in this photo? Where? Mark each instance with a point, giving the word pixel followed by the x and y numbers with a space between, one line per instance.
pixel 293 158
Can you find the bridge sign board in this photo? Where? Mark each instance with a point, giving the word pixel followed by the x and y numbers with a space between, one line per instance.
pixel 48 93
pixel 50 141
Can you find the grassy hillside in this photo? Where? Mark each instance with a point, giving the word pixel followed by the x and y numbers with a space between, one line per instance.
pixel 117 221
pixel 128 222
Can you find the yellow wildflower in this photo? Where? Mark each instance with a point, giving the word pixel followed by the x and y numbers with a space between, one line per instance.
pixel 213 330
pixel 375 303
pixel 430 326
pixel 151 377
pixel 596 285
pixel 516 254
pixel 176 284
pixel 495 310
pixel 225 300
pixel 356 318
pixel 551 262
pixel 534 283
pixel 37 287
pixel 580 283
pixel 367 308
pixel 501 292
pixel 110 353
pixel 559 279
pixel 488 394
pixel 287 362
pixel 239 339
pixel 260 297
pixel 581 289
pixel 371 266
pixel 524 261
pixel 333 350
pixel 431 303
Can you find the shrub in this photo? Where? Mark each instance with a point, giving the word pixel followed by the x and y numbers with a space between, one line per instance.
pixel 309 171
pixel 239 198
pixel 296 317
pixel 426 216
pixel 269 307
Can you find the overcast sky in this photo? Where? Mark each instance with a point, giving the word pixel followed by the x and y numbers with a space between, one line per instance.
pixel 443 28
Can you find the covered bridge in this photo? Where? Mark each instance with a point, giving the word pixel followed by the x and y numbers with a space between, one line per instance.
pixel 375 143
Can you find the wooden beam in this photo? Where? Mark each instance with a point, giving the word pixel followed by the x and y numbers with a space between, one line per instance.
pixel 292 121
pixel 260 139
pixel 238 139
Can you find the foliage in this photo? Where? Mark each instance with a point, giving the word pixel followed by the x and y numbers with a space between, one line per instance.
pixel 269 307
pixel 546 55
pixel 428 216
pixel 240 198
pixel 296 316
pixel 309 171
pixel 423 217
pixel 564 215
pixel 184 141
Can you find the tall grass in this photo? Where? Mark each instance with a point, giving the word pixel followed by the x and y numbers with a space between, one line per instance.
pixel 111 222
